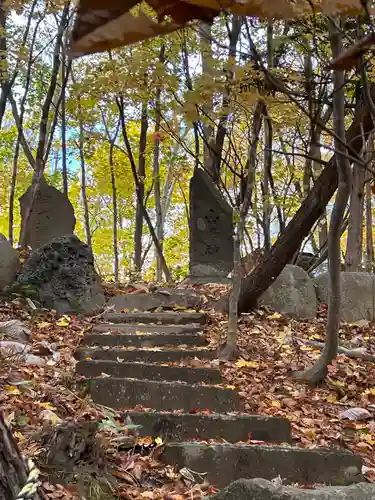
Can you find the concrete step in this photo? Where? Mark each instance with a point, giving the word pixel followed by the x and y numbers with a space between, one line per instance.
pixel 157 329
pixel 232 428
pixel 226 463
pixel 164 297
pixel 164 318
pixel 152 340
pixel 148 371
pixel 148 356
pixel 121 393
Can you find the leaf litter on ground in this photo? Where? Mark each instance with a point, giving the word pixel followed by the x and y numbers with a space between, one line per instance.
pixel 271 349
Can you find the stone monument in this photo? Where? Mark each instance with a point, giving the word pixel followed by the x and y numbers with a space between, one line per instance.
pixel 211 231
pixel 52 215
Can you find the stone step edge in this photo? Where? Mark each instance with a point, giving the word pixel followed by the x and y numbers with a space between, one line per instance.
pixel 193 319
pixel 261 428
pixel 151 364
pixel 181 329
pixel 224 463
pixel 151 349
pixel 145 335
pixel 160 382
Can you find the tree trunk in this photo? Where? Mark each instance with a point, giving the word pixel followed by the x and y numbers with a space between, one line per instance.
pixel 114 206
pixel 369 228
pixel 63 122
pixel 13 473
pixel 83 181
pixel 138 231
pixel 299 227
pixel 166 271
pixel 353 256
pixel 319 370
pixel 156 175
pixel 40 158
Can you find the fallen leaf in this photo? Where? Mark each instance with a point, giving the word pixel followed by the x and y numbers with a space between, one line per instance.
pixel 241 363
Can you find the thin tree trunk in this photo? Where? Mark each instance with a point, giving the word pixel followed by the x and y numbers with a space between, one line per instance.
pixel 43 138
pixel 83 180
pixel 156 175
pixel 166 270
pixel 207 108
pixel 369 229
pixel 114 205
pixel 18 143
pixel 63 121
pixel 319 370
pixel 229 349
pixel 353 256
pixel 299 227
pixel 141 173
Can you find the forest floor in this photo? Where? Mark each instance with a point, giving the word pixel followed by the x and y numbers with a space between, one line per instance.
pixel 37 399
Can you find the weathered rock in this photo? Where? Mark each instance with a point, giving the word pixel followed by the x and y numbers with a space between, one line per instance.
pixel 9 262
pixel 163 297
pixel 63 274
pixel 21 351
pixel 226 463
pixel 292 293
pixel 211 229
pixel 357 295
pixel 52 215
pixel 12 347
pixel 168 396
pixel 15 329
pixel 261 489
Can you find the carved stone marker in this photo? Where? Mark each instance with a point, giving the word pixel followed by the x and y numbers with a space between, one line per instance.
pixel 52 215
pixel 211 229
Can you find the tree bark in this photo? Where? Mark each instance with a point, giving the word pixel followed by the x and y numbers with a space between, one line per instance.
pixel 319 370
pixel 369 226
pixel 299 227
pixel 13 473
pixel 166 271
pixel 39 162
pixel 141 174
pixel 353 255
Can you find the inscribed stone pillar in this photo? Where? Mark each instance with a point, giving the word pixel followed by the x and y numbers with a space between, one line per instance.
pixel 52 215
pixel 211 229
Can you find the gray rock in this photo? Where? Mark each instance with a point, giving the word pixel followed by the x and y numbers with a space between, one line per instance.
pixel 15 329
pixel 9 262
pixel 260 489
pixel 292 293
pixel 30 359
pixel 357 295
pixel 62 273
pixel 12 347
pixel 52 215
pixel 211 229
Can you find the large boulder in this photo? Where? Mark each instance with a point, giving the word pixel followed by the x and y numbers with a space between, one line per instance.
pixel 357 295
pixel 291 293
pixel 8 262
pixel 63 274
pixel 260 489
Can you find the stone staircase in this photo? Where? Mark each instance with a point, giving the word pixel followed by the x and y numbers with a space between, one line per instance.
pixel 135 375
